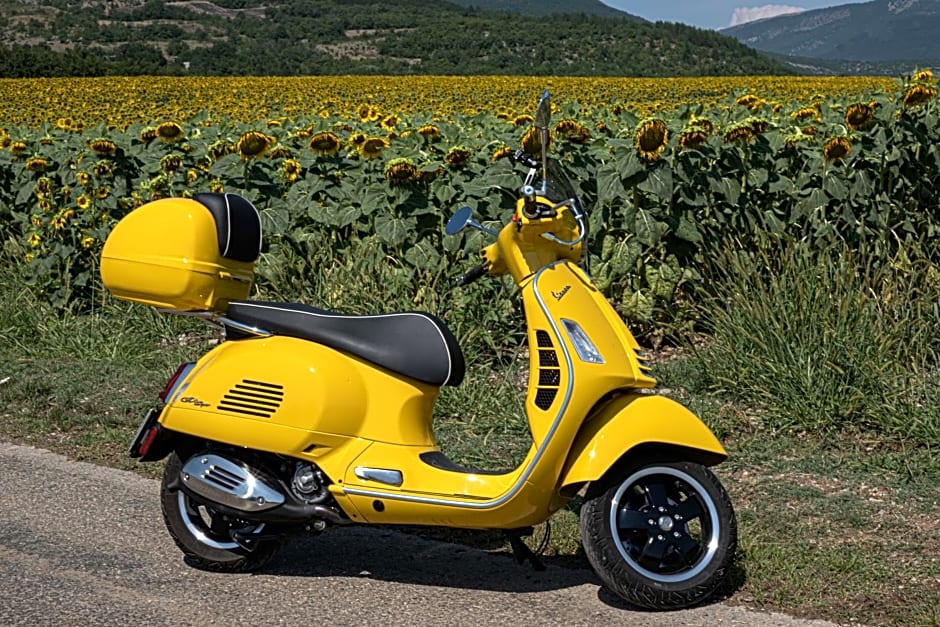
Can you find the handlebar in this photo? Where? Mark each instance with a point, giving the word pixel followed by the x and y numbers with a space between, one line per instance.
pixel 473 275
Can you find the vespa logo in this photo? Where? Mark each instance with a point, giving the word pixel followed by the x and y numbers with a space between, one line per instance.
pixel 561 294
pixel 192 400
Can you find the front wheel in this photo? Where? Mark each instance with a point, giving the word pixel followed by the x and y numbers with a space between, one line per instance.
pixel 662 538
pixel 209 538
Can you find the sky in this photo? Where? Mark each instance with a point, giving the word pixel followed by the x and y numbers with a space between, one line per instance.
pixel 716 13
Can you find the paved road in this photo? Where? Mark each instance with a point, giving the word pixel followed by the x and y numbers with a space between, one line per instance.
pixel 85 545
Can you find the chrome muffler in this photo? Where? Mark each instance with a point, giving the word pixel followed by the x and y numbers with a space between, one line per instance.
pixel 228 482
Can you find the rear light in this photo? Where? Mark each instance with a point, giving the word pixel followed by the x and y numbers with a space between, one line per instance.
pixel 148 439
pixel 174 381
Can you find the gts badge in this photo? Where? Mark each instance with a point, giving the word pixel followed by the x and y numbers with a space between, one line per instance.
pixel 559 295
pixel 192 400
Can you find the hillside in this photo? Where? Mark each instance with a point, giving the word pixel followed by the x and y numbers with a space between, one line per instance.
pixel 546 7
pixel 878 31
pixel 314 37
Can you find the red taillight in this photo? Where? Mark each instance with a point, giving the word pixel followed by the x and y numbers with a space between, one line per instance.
pixel 148 439
pixel 172 382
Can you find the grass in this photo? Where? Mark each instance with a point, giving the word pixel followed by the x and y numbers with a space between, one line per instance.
pixel 836 521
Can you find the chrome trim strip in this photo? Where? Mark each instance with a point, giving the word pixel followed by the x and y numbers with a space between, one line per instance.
pixel 483 505
pixel 382 475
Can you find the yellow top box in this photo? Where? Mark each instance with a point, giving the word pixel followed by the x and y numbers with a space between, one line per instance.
pixel 184 254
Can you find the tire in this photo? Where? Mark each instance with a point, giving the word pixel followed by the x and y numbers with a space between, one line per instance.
pixel 663 537
pixel 204 535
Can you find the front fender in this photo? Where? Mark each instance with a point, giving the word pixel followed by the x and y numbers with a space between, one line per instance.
pixel 635 420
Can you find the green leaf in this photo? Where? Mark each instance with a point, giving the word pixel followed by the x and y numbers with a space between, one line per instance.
pixel 659 181
pixel 609 186
pixel 393 229
pixel 687 230
pixel 648 230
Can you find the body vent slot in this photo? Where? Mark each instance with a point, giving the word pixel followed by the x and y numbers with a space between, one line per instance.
pixel 253 398
pixel 549 372
pixel 642 361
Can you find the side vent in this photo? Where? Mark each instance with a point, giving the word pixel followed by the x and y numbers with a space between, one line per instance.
pixel 643 362
pixel 253 398
pixel 549 371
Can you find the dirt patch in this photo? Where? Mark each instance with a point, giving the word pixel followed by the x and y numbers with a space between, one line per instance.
pixel 208 8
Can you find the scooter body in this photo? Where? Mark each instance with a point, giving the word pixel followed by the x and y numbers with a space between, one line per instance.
pixel 305 418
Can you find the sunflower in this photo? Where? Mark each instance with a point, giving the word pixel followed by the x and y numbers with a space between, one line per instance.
pixel 192 176
pixel 35 240
pixel 503 152
pixel 803 113
pixel 739 132
pixel 171 163
pixel 37 164
pixel 357 139
pixel 216 186
pixel 428 172
pixel 148 134
pixel 18 149
pixel 170 132
pixel 281 152
pixel 36 221
pixel 372 147
pixel 29 257
pixel 810 130
pixel 45 205
pixel 859 116
pixel 102 192
pixel 523 120
pixel 83 202
pixel 919 94
pixel 88 242
pixel 253 144
pixel 531 141
pixel 220 148
pixel 749 101
pixel 83 178
pixel 103 147
pixel 325 143
pixel 367 113
pixel 572 131
pixel 389 122
pixel 692 137
pixel 651 138
pixel 102 169
pixel 43 185
pixel 429 131
pixel 291 170
pixel 836 148
pixel 457 156
pixel 401 171
pixel 923 76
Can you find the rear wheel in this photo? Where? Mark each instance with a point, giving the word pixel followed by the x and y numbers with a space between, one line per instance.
pixel 663 537
pixel 210 539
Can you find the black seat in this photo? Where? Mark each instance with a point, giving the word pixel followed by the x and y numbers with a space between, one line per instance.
pixel 415 344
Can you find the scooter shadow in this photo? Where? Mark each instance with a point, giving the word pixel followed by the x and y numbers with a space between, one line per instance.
pixel 391 555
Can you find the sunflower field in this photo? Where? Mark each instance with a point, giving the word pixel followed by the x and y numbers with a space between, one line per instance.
pixel 669 169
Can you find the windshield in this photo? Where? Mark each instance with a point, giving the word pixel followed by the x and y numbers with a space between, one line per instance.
pixel 558 188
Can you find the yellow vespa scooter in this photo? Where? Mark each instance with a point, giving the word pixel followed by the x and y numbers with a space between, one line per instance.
pixel 305 418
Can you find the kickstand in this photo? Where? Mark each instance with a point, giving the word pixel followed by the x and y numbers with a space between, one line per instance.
pixel 520 550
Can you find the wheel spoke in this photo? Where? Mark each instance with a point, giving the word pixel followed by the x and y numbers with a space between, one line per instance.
pixel 632 519
pixel 687 547
pixel 657 494
pixel 689 509
pixel 654 550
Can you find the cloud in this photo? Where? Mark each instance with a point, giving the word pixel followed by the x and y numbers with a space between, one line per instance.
pixel 742 15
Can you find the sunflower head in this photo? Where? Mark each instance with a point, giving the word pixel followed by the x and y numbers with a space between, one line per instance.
pixel 291 170
pixel 651 138
pixel 372 147
pixel 220 148
pixel 281 152
pixel 503 152
pixel 83 201
pixel 692 137
pixel 836 148
pixel 88 242
pixel 401 171
pixel 171 163
pixel 18 148
pixel 429 131
pixel 102 169
pixel 37 164
pixel 357 139
pixel 216 185
pixel 803 113
pixel 859 116
pixel 170 132
pixel 919 94
pixel 325 143
pixel 749 101
pixel 572 131
pixel 253 144
pixel 389 122
pixel 523 120
pixel 367 113
pixel 531 141
pixel 43 186
pixel 103 147
pixel 738 132
pixel 457 156
pixel 148 134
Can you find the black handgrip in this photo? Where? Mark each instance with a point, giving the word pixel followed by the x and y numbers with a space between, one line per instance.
pixel 473 275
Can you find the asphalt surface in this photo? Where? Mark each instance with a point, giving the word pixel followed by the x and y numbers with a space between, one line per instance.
pixel 85 545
